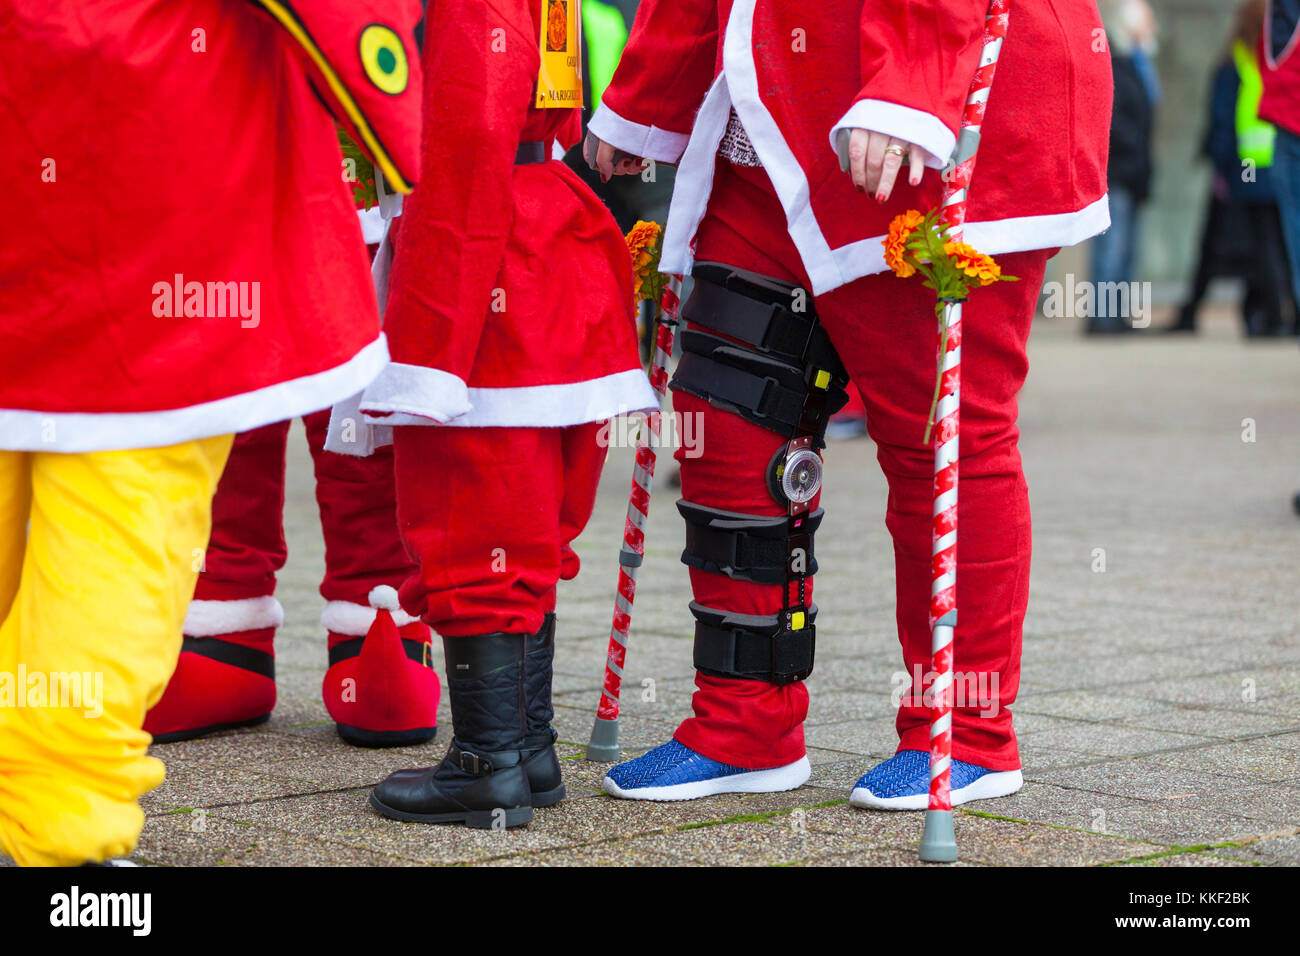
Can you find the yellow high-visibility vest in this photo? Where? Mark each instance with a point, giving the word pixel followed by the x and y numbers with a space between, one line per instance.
pixel 1254 136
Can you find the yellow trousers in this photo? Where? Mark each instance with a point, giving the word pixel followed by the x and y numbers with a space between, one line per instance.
pixel 99 553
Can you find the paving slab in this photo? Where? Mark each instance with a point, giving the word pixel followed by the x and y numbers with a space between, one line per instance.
pixel 1158 713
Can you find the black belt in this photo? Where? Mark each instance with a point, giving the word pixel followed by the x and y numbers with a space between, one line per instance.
pixel 534 151
pixel 419 651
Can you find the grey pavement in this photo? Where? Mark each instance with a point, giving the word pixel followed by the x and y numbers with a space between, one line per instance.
pixel 1159 713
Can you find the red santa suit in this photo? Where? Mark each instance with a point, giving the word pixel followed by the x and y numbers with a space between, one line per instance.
pixel 509 317
pixel 789 77
pixel 194 269
pixel 131 222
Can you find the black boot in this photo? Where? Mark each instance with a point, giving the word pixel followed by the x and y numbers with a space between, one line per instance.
pixel 542 765
pixel 481 782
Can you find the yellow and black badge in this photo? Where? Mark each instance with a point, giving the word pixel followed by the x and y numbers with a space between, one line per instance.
pixel 559 81
pixel 384 59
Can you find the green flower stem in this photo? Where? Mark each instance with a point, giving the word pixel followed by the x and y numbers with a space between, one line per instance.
pixel 942 311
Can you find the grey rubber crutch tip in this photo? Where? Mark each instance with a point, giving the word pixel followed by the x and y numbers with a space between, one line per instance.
pixel 938 843
pixel 603 747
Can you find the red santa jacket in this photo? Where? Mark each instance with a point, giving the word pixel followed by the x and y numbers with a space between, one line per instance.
pixel 1280 65
pixel 194 265
pixel 795 73
pixel 510 295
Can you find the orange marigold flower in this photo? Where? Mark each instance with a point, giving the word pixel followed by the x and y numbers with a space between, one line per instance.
pixel 641 242
pixel 900 233
pixel 973 262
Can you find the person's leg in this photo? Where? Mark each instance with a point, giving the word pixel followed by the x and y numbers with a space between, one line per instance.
pixel 745 733
pixel 1205 265
pixel 1268 281
pixel 488 539
pixel 107 575
pixel 885 331
pixel 1112 260
pixel 15 510
pixel 225 676
pixel 376 699
pixel 1286 181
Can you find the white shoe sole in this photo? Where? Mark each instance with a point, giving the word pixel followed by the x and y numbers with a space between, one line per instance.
pixel 789 777
pixel 997 784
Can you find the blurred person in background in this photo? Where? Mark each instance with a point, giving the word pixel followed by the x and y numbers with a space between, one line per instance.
pixel 1131 30
pixel 1242 236
pixel 1280 105
pixel 1280 65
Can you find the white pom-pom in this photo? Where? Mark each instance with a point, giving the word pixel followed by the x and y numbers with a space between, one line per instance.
pixel 384 598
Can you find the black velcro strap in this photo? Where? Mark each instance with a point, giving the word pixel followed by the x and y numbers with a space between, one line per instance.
pixel 761 311
pixel 418 651
pixel 758 388
pixel 228 652
pixel 743 647
pixel 531 152
pixel 741 546
pixel 769 326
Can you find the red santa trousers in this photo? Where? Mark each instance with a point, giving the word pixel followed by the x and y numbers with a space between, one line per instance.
pixel 357 503
pixel 490 513
pixel 885 332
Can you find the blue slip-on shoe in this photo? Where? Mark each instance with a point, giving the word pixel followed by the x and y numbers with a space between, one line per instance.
pixel 676 772
pixel 903 783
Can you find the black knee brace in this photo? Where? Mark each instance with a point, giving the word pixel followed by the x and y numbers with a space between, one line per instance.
pixel 745 547
pixel 765 355
pixel 753 648
pixel 759 351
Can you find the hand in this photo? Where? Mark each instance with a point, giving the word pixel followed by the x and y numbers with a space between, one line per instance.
pixel 607 160
pixel 874 167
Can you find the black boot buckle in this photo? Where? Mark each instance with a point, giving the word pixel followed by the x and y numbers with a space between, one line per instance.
pixel 472 763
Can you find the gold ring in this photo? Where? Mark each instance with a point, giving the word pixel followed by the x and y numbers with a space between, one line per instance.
pixel 895 149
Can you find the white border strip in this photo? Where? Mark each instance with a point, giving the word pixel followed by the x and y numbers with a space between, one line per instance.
pixel 215 618
pixel 648 142
pixel 70 432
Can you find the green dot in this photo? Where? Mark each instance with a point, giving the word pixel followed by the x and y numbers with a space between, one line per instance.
pixel 386 60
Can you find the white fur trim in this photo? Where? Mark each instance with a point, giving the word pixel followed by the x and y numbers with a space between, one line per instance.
pixel 372 224
pixel 214 618
pixel 354 620
pixel 26 430
pixel 901 122
pixel 992 236
pixel 350 434
pixel 694 179
pixel 553 406
pixel 413 394
pixel 383 597
pixel 648 142
pixel 558 152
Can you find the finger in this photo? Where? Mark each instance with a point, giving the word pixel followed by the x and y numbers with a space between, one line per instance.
pixel 858 140
pixel 917 168
pixel 629 166
pixel 875 161
pixel 605 160
pixel 889 168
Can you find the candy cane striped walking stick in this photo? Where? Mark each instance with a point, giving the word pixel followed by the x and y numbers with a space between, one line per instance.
pixel 603 745
pixel 938 843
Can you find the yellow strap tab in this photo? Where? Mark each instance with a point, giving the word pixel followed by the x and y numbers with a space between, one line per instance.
pixel 822 380
pixel 797 621
pixel 559 79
